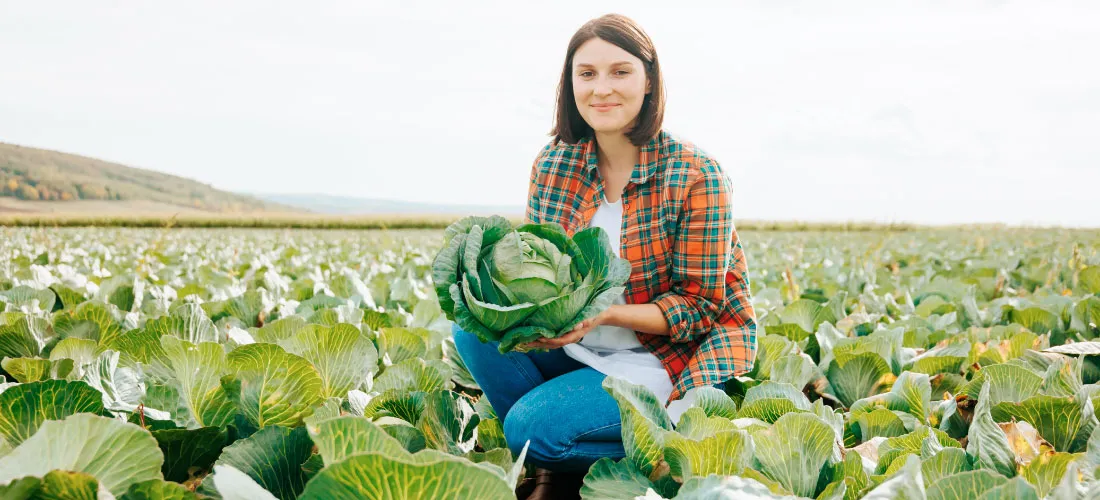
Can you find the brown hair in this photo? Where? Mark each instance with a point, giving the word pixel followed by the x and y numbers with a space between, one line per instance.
pixel 569 126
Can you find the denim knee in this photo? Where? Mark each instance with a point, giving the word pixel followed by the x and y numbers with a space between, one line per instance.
pixel 526 423
pixel 459 334
pixel 466 343
pixel 457 331
pixel 552 445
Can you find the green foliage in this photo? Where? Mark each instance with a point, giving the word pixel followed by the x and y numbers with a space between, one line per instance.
pixel 516 285
pixel 310 364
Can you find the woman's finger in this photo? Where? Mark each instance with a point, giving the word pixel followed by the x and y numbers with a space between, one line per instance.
pixel 558 342
pixel 573 336
pixel 535 344
pixel 544 343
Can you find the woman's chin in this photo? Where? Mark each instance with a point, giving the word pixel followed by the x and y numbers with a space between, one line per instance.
pixel 608 129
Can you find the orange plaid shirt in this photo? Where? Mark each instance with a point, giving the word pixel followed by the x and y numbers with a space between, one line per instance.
pixel 679 236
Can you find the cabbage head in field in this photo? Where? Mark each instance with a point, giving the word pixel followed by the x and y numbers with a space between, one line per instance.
pixel 515 285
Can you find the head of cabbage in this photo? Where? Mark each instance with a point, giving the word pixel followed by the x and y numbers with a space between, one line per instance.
pixel 514 285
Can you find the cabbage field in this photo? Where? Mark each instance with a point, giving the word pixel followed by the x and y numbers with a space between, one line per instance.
pixel 261 363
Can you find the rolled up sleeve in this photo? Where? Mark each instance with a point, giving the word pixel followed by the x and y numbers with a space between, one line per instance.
pixel 532 215
pixel 700 258
pixel 741 328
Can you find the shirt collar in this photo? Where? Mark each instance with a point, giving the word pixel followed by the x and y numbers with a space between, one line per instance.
pixel 648 156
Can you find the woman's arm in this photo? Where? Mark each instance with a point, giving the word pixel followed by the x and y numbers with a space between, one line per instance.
pixel 531 214
pixel 701 258
pixel 644 318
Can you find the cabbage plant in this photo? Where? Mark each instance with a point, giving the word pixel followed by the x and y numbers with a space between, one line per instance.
pixel 514 285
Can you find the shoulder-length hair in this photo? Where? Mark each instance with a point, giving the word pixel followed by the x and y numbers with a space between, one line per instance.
pixel 569 126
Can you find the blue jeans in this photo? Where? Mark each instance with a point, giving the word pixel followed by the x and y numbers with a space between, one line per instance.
pixel 556 402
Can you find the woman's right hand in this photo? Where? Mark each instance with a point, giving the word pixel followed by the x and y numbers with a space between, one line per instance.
pixel 577 333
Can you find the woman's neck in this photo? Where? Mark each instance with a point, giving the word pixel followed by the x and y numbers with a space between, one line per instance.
pixel 617 157
pixel 617 154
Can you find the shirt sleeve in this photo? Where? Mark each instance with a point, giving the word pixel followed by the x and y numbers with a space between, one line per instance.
pixel 741 330
pixel 700 258
pixel 532 214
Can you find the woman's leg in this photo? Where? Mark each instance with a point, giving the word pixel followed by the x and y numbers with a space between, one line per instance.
pixel 504 378
pixel 570 420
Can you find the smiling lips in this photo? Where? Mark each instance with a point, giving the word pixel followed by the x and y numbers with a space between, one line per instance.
pixel 605 107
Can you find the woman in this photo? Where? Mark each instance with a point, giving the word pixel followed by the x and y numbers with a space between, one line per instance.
pixel 685 319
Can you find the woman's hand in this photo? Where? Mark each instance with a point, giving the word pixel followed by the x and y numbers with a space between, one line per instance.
pixel 576 334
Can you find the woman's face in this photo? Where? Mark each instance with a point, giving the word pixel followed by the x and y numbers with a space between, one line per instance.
pixel 609 86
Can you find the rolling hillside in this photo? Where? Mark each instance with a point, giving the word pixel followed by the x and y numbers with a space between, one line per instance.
pixel 29 175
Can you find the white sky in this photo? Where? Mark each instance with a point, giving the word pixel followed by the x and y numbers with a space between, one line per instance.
pixel 939 111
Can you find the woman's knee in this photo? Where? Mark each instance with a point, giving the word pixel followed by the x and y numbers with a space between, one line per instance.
pixel 552 446
pixel 535 423
pixel 466 343
pixel 461 336
pixel 526 425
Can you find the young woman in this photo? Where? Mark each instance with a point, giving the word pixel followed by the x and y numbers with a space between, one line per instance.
pixel 685 319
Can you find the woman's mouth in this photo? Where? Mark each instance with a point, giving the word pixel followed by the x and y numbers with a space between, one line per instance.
pixel 605 107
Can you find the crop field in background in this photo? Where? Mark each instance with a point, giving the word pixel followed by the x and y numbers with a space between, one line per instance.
pixel 140 216
pixel 306 363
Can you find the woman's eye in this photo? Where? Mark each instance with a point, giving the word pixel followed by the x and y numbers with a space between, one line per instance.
pixel 588 74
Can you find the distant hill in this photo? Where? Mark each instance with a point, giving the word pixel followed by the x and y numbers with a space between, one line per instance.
pixel 346 205
pixel 31 174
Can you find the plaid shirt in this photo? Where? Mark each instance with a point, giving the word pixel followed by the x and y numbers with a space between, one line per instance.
pixel 679 237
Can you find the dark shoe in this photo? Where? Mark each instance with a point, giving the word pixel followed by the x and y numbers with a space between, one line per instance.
pixel 549 485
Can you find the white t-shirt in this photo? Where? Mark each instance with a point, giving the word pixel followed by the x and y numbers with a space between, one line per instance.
pixel 616 351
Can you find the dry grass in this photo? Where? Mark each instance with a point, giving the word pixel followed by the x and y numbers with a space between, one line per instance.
pixel 412 221
pixel 11 206
pixel 153 214
pixel 210 220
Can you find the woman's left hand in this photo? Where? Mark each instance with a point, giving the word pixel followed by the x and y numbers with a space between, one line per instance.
pixel 575 335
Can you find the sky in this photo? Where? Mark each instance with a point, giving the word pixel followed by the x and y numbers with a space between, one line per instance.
pixel 930 112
